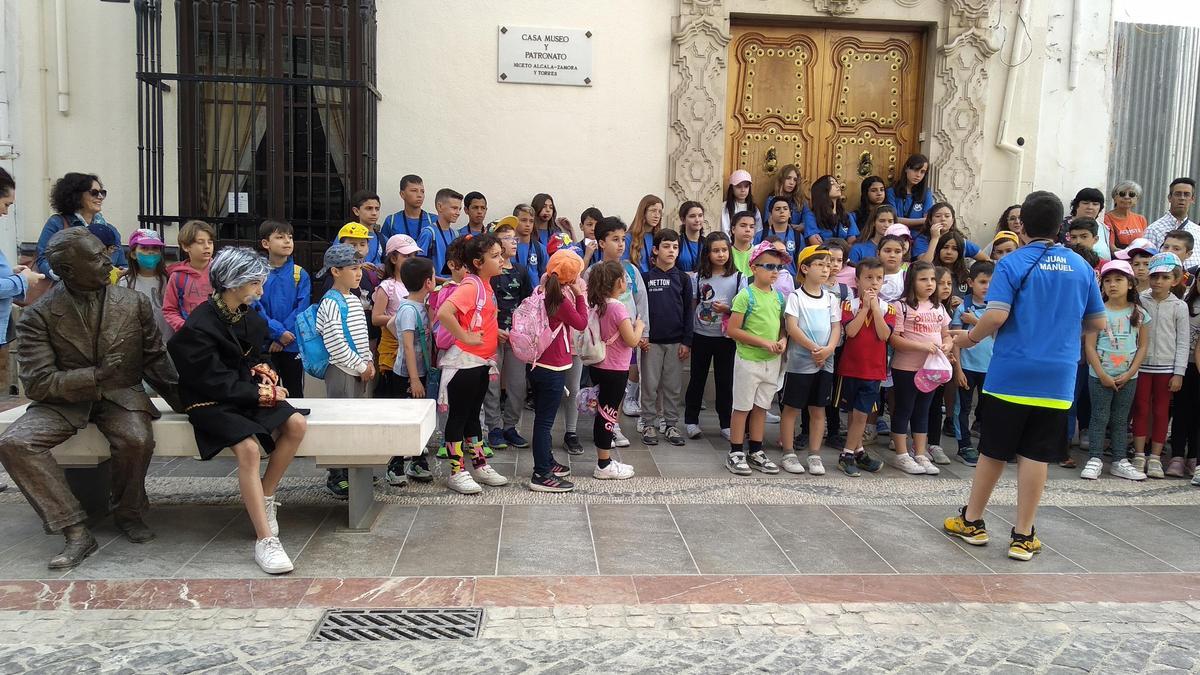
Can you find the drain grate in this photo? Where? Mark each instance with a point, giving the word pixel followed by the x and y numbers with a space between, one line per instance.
pixel 370 625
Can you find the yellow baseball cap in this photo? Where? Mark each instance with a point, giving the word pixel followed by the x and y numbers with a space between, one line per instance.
pixel 808 252
pixel 1006 235
pixel 506 220
pixel 354 231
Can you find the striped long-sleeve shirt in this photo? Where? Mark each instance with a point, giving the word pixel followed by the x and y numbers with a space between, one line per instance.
pixel 329 324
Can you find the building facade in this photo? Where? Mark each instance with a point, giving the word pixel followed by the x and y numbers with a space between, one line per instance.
pixel 313 99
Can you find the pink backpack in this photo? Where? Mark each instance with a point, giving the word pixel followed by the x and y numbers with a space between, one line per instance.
pixel 442 337
pixel 531 333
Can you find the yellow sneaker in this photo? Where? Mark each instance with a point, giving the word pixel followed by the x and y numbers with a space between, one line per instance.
pixel 1024 547
pixel 974 532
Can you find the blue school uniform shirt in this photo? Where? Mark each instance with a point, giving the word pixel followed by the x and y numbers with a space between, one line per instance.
pixel 399 223
pixel 793 240
pixel 977 358
pixel 1035 356
pixel 921 245
pixel 908 207
pixel 533 257
pixel 282 301
pixel 800 214
pixel 689 254
pixel 647 247
pixel 840 232
pixel 434 241
pixel 862 250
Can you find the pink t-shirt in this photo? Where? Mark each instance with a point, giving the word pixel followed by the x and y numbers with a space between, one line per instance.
pixel 616 354
pixel 923 324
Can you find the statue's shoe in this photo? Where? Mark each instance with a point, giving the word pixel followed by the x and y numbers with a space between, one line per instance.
pixel 135 530
pixel 77 548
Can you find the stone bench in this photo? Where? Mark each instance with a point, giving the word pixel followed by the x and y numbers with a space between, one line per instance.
pixel 356 434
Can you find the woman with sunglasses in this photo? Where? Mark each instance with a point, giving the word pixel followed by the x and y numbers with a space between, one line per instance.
pixel 1123 224
pixel 76 199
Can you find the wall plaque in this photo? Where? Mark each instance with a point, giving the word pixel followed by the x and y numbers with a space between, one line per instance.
pixel 534 55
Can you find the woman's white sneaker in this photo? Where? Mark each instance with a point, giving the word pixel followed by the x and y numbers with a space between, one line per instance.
pixel 614 471
pixel 1125 469
pixel 486 475
pixel 619 439
pixel 938 455
pixel 905 463
pixel 272 506
pixel 693 431
pixel 1091 470
pixel 269 555
pixel 925 463
pixel 463 484
pixel 815 467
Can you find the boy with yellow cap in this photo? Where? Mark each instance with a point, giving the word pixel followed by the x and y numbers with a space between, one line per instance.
pixel 358 237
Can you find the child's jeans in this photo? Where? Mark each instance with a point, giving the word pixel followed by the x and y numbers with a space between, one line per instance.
pixel 547 394
pixel 512 376
pixel 1110 408
pixel 965 396
pixel 1152 406
pixel 1081 407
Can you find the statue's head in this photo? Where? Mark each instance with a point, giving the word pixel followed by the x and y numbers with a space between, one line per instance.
pixel 79 258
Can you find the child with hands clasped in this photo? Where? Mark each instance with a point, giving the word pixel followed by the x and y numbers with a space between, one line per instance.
pixel 470 362
pixel 869 322
pixel 812 318
pixel 1161 372
pixel 922 329
pixel 1114 356
pixel 756 325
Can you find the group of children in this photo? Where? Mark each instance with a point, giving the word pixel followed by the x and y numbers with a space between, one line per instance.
pixel 804 309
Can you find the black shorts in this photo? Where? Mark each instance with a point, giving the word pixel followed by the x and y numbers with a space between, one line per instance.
pixel 855 394
pixel 1009 429
pixel 804 390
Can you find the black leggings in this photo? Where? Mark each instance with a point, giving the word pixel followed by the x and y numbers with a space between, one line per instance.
pixel 719 352
pixel 1185 428
pixel 912 404
pixel 611 384
pixel 465 392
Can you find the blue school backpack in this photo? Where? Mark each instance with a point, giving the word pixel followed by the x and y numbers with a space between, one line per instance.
pixel 313 353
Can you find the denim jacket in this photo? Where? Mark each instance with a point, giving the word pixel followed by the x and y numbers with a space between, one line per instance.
pixel 52 227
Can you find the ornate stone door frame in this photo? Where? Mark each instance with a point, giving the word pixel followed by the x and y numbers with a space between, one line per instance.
pixel 955 133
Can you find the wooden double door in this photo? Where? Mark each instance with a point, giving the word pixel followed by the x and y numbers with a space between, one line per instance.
pixel 845 102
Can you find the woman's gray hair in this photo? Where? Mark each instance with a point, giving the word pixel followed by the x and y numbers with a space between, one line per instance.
pixel 235 267
pixel 1127 186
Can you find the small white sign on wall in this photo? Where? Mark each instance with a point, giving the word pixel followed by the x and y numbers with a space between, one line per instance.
pixel 545 56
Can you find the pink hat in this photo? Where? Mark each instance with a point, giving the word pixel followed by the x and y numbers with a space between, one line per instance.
pixel 898 230
pixel 768 247
pixel 740 176
pixel 145 237
pixel 402 243
pixel 1117 266
pixel 1139 245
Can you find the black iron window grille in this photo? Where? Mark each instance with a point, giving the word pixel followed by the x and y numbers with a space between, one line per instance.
pixel 277 112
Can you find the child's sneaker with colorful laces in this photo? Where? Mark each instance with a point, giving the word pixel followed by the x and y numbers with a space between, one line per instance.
pixel 974 532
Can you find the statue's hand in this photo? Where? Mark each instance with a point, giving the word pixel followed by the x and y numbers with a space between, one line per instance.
pixel 110 366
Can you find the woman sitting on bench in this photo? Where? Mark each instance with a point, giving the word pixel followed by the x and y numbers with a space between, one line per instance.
pixel 232 396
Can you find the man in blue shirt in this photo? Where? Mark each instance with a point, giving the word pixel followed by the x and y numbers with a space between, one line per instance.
pixel 411 219
pixel 1043 297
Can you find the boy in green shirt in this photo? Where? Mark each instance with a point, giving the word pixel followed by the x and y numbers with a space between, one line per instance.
pixel 756 325
pixel 742 234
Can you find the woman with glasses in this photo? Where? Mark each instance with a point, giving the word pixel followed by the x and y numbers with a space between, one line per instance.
pixel 1123 224
pixel 76 199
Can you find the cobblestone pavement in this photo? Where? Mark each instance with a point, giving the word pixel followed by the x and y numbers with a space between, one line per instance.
pixel 857 637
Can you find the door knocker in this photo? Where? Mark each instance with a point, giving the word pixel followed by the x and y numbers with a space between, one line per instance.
pixel 772 160
pixel 864 164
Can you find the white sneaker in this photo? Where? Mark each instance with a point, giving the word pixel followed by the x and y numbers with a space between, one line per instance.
pixel 693 431
pixel 815 467
pixel 269 555
pixel 725 434
pixel 488 476
pixel 632 407
pixel 1139 462
pixel 904 462
pixel 1125 469
pixel 772 418
pixel 272 505
pixel 1091 470
pixel 930 469
pixel 1196 479
pixel 619 439
pixel 641 425
pixel 1154 468
pixel 938 455
pixel 662 426
pixel 791 463
pixel 463 484
pixel 614 471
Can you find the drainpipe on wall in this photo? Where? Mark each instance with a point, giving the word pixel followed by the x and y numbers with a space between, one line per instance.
pixel 1076 48
pixel 60 36
pixel 8 151
pixel 1017 149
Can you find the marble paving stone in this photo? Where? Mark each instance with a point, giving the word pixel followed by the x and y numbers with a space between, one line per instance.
pixel 728 539
pixel 63 595
pixel 994 555
pixel 435 544
pixel 1180 516
pixel 638 539
pixel 356 554
pixel 908 543
pixel 869 588
pixel 28 560
pixel 542 591
pixel 1083 544
pixel 1008 587
pixel 181 532
pixel 1165 541
pixel 546 539
pixel 231 553
pixel 818 542
pixel 390 592
pixel 715 589
pixel 271 592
